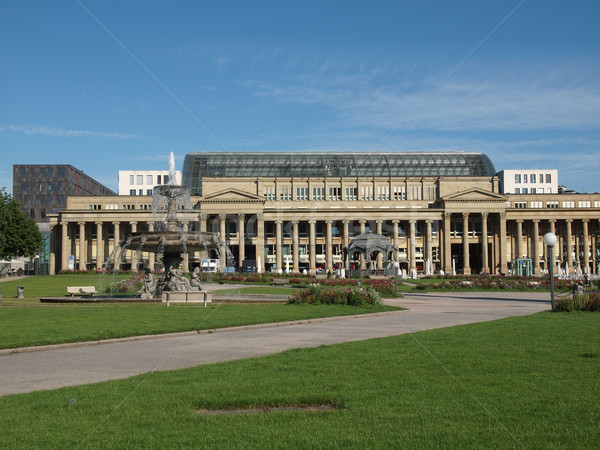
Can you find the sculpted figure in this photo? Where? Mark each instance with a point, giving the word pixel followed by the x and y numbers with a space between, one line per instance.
pixel 149 285
pixel 195 283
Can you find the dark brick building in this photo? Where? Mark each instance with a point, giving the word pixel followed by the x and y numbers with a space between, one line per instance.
pixel 43 187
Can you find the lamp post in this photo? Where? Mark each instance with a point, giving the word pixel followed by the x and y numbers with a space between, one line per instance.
pixel 550 240
pixel 396 267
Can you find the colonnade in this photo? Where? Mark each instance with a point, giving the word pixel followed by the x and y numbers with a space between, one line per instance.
pixel 446 239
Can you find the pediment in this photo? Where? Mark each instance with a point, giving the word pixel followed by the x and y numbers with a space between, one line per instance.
pixel 474 195
pixel 232 195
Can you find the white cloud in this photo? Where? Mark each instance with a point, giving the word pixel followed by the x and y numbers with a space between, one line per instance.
pixel 43 130
pixel 515 98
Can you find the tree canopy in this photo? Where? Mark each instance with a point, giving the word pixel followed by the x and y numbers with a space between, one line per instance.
pixel 19 235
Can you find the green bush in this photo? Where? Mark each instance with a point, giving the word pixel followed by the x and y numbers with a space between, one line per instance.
pixel 337 295
pixel 588 301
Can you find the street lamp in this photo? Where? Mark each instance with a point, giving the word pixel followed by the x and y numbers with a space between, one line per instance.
pixel 396 267
pixel 550 240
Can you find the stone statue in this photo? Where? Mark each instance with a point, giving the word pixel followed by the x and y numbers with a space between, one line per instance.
pixel 195 283
pixel 177 282
pixel 149 285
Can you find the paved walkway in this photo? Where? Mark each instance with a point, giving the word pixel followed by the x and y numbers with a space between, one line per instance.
pixel 69 365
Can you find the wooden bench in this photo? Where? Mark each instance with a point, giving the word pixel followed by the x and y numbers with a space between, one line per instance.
pixel 81 290
pixel 280 281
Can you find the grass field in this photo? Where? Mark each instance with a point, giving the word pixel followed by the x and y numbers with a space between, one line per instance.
pixel 27 326
pixel 525 382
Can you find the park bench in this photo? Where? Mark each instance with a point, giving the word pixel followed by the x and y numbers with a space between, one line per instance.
pixel 280 281
pixel 81 290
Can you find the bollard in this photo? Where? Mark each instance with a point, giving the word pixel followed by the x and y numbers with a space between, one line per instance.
pixel 20 292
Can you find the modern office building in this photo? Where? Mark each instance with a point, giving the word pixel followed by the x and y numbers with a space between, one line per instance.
pixel 42 188
pixel 141 182
pixel 532 181
pixel 298 211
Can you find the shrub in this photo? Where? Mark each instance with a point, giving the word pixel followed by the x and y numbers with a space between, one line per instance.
pixel 588 301
pixel 337 295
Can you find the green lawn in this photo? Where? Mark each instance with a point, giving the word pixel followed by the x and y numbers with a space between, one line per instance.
pixel 525 382
pixel 27 326
pixel 55 285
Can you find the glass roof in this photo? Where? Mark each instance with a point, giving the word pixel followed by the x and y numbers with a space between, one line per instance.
pixel 332 164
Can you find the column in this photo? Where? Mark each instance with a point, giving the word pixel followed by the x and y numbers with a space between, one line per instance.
pixel 312 247
pixel 329 248
pixel 447 253
pixel 569 238
pixel 379 255
pixel 117 254
pixel 428 244
pixel 82 247
pixel 466 264
pixel 412 251
pixel 295 247
pixel 52 255
pixel 484 244
pixel 278 245
pixel 203 254
pixel 99 246
pixel 185 256
pixel 242 239
pixel 502 241
pixel 362 258
pixel 260 243
pixel 134 253
pixel 64 251
pixel 223 232
pixel 586 245
pixel 151 255
pixel 346 244
pixel 534 246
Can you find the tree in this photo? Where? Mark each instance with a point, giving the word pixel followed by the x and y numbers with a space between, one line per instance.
pixel 19 235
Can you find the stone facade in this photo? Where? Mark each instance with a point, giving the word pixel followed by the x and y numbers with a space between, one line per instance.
pixel 304 223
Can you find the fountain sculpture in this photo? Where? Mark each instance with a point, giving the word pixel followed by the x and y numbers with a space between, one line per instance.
pixel 171 241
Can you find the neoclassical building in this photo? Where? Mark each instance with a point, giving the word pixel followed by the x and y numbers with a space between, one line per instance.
pixel 298 211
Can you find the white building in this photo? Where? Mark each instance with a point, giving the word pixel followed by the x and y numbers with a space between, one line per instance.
pixel 533 181
pixel 141 182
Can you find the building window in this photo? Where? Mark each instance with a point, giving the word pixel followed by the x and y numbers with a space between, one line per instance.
pixel 335 193
pixel 525 191
pixel 517 190
pixel 302 193
pixel 517 177
pixel 149 192
pixel 532 178
pixel 417 193
pixel 366 193
pixel 166 179
pixel 524 178
pixel 157 179
pixel 141 192
pixel 270 193
pixel 149 179
pixel 131 179
pixel 548 178
pixel 284 193
pixel 318 193
pixel 399 193
pixel 351 193
pixel 61 172
pixel 131 191
pixel 22 172
pixel 140 179
pixel 533 190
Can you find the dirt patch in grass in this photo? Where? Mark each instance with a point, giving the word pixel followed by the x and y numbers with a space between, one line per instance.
pixel 267 409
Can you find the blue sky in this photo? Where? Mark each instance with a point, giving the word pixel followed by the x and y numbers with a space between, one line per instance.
pixel 109 86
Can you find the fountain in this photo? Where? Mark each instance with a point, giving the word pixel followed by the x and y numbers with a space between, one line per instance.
pixel 169 241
